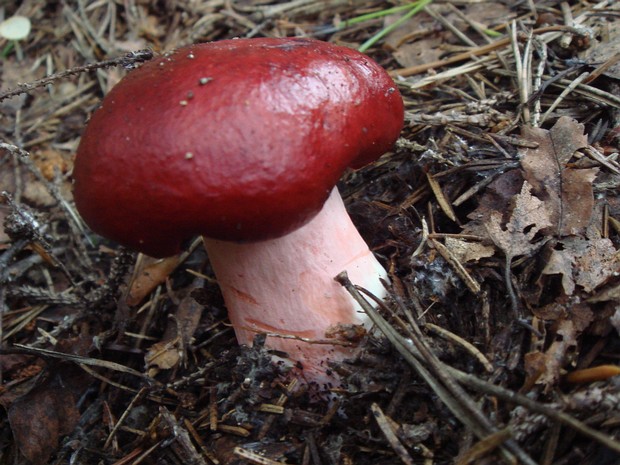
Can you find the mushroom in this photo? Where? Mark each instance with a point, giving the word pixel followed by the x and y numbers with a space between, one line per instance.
pixel 242 141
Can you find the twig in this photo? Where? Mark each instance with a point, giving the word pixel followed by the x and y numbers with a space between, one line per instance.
pixel 482 50
pixel 255 458
pixel 572 86
pixel 386 428
pixel 514 302
pixel 454 397
pixel 521 74
pixel 279 403
pixel 24 349
pixel 552 412
pixel 541 47
pixel 478 384
pixel 457 266
pixel 127 61
pixel 24 157
pixel 121 420
pixel 468 346
pixel 180 441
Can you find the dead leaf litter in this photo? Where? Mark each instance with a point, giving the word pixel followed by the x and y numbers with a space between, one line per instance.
pixel 497 215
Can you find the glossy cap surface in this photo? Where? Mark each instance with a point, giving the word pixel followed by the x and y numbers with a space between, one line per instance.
pixel 237 140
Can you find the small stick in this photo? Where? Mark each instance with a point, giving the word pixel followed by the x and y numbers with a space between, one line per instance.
pixel 437 375
pixel 475 383
pixel 127 61
pixel 121 420
pixel 482 50
pixel 468 346
pixel 386 428
pixel 457 266
pixel 572 86
pixel 276 408
pixel 253 457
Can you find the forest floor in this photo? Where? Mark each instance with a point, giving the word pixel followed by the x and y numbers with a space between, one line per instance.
pixel 497 216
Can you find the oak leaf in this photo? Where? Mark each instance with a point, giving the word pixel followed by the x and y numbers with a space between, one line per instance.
pixel 544 368
pixel 529 216
pixel 587 263
pixel 566 190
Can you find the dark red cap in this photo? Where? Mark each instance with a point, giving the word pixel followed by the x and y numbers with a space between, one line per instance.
pixel 238 140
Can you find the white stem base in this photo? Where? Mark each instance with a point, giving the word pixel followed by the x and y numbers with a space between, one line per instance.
pixel 285 287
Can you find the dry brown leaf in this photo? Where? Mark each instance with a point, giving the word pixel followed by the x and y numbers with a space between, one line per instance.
pixel 528 217
pixel 606 294
pixel 39 418
pixel 534 367
pixel 566 190
pixel 561 263
pixel 498 197
pixel 180 329
pixel 47 411
pixel 545 368
pixel 596 263
pixel 419 53
pixel 486 14
pixel 587 263
pixel 163 355
pixel 467 251
pixel 153 273
pixel 577 200
pixel 550 312
pixel 416 41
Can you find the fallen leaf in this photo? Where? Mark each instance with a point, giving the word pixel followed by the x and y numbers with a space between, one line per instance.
pixel 561 263
pixel 406 49
pixel 48 410
pixel 550 312
pixel 587 263
pixel 40 417
pixel 608 293
pixel 483 16
pixel 528 217
pixel 163 355
pixel 544 368
pixel 498 197
pixel 418 53
pixel 566 190
pixel 534 367
pixel 467 251
pixel 596 261
pixel 153 273
pixel 180 329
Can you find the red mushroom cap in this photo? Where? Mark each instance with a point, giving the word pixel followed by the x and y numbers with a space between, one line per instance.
pixel 238 140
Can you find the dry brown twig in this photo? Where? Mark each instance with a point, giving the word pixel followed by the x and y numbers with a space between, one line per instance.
pixel 472 381
pixel 127 61
pixel 426 364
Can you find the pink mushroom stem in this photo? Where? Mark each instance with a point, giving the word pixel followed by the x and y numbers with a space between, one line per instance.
pixel 285 287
